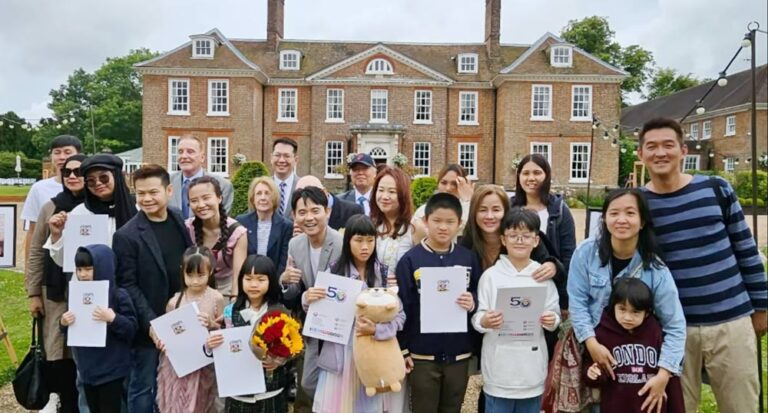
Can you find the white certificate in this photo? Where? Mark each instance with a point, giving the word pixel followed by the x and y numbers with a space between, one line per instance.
pixel 84 296
pixel 331 319
pixel 521 308
pixel 82 230
pixel 238 371
pixel 440 288
pixel 184 337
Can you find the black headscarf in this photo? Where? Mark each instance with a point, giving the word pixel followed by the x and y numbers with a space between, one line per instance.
pixel 66 200
pixel 122 205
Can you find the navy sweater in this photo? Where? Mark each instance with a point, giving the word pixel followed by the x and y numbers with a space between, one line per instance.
pixel 444 346
pixel 99 365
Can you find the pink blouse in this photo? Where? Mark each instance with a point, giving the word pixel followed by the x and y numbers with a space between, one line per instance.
pixel 223 267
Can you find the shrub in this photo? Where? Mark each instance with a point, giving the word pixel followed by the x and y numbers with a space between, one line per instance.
pixel 422 189
pixel 742 184
pixel 240 182
pixel 30 168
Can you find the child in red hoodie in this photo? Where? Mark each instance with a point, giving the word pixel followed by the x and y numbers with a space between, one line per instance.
pixel 633 336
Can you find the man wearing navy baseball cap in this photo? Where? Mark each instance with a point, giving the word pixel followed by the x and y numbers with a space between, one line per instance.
pixel 362 172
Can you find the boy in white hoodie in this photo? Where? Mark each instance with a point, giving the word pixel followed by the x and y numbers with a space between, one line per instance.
pixel 514 371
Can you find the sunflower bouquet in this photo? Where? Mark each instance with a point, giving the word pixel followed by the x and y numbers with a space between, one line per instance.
pixel 277 336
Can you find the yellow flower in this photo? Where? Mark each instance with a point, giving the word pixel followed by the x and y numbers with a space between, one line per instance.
pixel 417 275
pixel 257 341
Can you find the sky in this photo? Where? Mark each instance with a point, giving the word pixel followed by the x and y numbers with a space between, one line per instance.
pixel 44 41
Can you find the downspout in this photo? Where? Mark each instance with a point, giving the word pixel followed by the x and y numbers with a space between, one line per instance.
pixel 493 133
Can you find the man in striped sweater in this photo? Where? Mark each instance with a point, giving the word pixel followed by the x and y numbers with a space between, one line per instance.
pixel 720 278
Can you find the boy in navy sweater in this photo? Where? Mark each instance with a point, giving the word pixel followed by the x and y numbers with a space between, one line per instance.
pixel 104 369
pixel 438 362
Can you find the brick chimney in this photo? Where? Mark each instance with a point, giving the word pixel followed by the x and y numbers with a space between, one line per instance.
pixel 492 27
pixel 274 22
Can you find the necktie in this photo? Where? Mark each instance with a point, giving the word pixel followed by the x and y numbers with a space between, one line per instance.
pixel 361 200
pixel 281 209
pixel 184 198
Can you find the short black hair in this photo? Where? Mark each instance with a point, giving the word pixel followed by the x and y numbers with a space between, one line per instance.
pixel 83 258
pixel 258 264
pixel 66 140
pixel 442 200
pixel 661 123
pixel 311 193
pixel 523 218
pixel 634 291
pixel 151 171
pixel 286 141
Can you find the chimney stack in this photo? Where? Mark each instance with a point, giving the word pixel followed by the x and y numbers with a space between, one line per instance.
pixel 274 22
pixel 492 27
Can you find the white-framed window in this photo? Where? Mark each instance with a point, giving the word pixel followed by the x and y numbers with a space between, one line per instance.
pixel 541 102
pixel 178 96
pixel 130 167
pixel 379 104
pixel 730 125
pixel 422 106
pixel 334 105
pixel 729 164
pixel 561 56
pixel 334 154
pixel 581 102
pixel 218 153
pixel 203 48
pixel 691 163
pixel 286 105
pixel 544 149
pixel 707 129
pixel 580 153
pixel 468 159
pixel 290 60
pixel 695 130
pixel 218 97
pixel 467 63
pixel 468 108
pixel 173 154
pixel 422 152
pixel 379 67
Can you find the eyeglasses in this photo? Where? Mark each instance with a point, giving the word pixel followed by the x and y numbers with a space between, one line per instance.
pixel 102 178
pixel 524 238
pixel 282 155
pixel 70 171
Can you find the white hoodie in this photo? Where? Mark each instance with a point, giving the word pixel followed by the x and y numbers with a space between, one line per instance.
pixel 512 370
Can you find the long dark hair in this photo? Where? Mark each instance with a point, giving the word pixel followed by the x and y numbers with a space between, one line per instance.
pixel 257 264
pixel 199 260
pixel 646 241
pixel 521 198
pixel 404 200
pixel 473 235
pixel 197 223
pixel 358 224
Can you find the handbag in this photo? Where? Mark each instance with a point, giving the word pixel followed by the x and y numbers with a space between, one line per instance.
pixel 564 390
pixel 29 384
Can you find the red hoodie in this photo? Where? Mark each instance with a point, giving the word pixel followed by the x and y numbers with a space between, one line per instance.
pixel 636 354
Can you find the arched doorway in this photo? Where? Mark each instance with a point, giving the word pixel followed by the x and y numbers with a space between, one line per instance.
pixel 379 155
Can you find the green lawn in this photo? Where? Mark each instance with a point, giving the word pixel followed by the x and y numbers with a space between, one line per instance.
pixel 15 313
pixel 12 190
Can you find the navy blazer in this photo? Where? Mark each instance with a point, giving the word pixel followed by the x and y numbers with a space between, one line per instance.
pixel 141 269
pixel 279 236
pixel 341 211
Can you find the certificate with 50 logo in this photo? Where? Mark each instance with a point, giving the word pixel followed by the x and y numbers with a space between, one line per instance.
pixel 331 319
pixel 521 308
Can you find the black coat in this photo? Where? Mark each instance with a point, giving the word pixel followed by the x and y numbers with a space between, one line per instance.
pixel 341 211
pixel 141 269
pixel 279 236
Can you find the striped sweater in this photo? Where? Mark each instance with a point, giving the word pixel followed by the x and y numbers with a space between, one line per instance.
pixel 718 271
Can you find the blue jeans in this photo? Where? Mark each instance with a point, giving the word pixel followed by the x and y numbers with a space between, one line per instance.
pixel 142 383
pixel 500 405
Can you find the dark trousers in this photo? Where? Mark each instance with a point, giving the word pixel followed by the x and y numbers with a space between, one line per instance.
pixel 105 398
pixel 438 387
pixel 61 376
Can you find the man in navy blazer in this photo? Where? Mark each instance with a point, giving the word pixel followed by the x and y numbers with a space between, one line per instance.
pixel 341 210
pixel 149 249
pixel 362 172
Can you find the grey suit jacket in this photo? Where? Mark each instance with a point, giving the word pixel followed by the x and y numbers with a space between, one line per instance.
pixel 226 191
pixel 288 212
pixel 348 195
pixel 298 250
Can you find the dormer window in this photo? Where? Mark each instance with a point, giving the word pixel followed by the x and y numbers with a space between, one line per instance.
pixel 379 67
pixel 467 63
pixel 561 56
pixel 290 60
pixel 203 47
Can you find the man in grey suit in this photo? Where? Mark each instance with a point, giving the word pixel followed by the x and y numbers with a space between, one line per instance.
pixel 191 157
pixel 308 253
pixel 362 172
pixel 284 162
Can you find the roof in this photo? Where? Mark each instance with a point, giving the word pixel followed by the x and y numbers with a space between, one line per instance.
pixel 737 92
pixel 133 155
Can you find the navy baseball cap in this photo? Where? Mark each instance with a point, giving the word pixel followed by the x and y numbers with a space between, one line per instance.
pixel 362 159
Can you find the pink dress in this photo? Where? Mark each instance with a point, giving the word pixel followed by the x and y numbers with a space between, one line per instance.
pixel 195 392
pixel 224 258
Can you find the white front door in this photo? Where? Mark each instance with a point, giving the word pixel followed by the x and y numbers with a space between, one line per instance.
pixel 381 147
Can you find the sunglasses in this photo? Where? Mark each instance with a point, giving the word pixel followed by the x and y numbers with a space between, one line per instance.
pixel 93 181
pixel 70 171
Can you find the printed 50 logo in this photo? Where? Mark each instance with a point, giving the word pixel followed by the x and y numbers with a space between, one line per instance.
pixel 336 293
pixel 516 302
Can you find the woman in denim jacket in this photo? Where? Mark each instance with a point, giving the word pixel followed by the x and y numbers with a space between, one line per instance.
pixel 625 247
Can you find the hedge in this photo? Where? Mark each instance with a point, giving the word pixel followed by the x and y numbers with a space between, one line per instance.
pixel 30 168
pixel 422 188
pixel 742 184
pixel 240 182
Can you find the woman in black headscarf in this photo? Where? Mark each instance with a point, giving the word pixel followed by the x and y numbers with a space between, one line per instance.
pixel 46 285
pixel 106 194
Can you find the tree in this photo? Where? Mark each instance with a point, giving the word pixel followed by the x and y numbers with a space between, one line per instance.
pixel 104 106
pixel 17 139
pixel 594 35
pixel 666 81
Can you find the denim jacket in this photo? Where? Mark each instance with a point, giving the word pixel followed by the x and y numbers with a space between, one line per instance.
pixel 589 288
